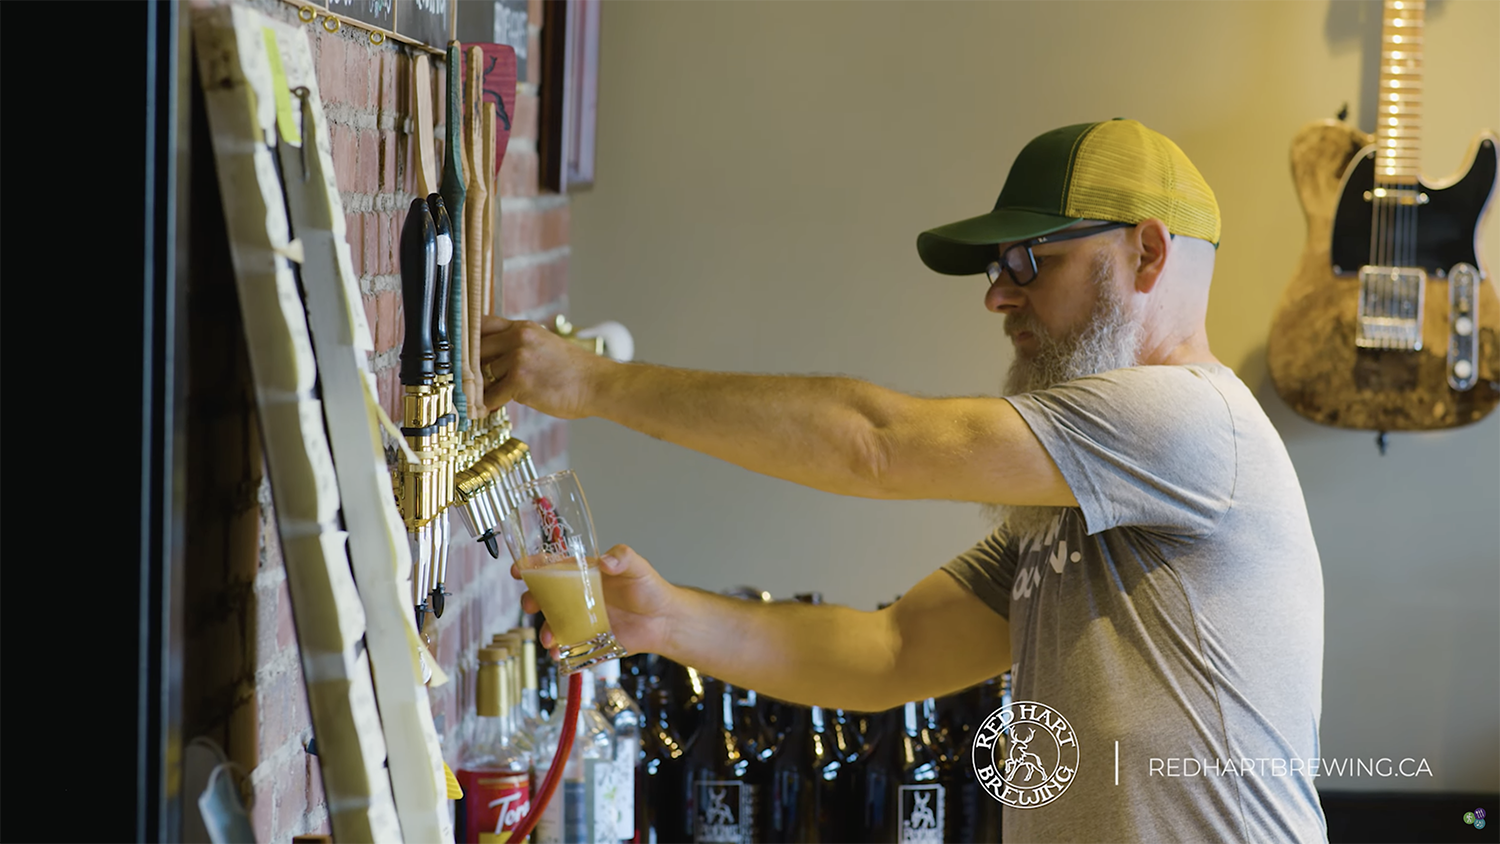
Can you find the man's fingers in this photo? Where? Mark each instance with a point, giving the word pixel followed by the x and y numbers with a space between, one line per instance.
pixel 492 324
pixel 501 339
pixel 495 369
pixel 611 564
pixel 622 559
pixel 529 604
pixel 497 394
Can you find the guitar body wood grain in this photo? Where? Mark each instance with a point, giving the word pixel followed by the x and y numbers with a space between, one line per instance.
pixel 1314 363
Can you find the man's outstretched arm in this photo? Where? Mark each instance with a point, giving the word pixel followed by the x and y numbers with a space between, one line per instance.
pixel 839 435
pixel 936 639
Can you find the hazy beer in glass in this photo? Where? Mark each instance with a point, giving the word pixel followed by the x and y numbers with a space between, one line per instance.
pixel 552 539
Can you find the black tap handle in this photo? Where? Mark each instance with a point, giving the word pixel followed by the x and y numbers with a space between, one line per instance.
pixel 418 278
pixel 441 347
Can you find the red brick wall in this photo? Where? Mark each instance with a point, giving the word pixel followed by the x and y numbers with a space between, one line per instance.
pixel 242 677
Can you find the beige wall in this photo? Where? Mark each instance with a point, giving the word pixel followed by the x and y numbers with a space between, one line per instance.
pixel 763 170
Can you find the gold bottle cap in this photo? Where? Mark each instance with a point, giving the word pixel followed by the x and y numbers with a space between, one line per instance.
pixel 488 690
pixel 528 658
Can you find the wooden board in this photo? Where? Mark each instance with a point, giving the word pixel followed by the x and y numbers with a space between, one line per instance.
pixel 330 621
pixel 382 767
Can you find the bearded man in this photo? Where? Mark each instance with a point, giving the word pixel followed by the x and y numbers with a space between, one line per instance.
pixel 1152 585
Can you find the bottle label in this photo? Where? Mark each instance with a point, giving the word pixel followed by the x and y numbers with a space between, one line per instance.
pixel 492 806
pixel 726 812
pixel 613 800
pixel 566 818
pixel 922 813
pixel 627 757
pixel 576 814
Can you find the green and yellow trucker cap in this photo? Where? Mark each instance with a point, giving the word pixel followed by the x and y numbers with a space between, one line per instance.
pixel 1115 170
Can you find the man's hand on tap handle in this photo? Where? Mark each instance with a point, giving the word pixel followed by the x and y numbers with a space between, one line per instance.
pixel 524 362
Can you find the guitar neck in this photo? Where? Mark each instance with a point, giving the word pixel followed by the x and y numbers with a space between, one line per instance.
pixel 1399 122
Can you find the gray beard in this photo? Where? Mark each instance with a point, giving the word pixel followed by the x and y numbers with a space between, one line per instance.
pixel 1111 340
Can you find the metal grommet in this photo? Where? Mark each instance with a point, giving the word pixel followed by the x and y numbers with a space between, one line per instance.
pixel 306 14
pixel 377 37
pixel 332 25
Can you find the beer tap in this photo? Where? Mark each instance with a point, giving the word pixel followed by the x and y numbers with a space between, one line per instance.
pixel 477 511
pixel 453 191
pixel 447 436
pixel 420 407
pixel 484 492
pixel 523 457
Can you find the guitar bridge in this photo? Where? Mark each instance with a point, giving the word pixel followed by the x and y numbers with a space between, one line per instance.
pixel 1390 308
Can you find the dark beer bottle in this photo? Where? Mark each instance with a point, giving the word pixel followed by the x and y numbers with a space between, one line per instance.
pixel 944 747
pixel 874 776
pixel 855 747
pixel 661 812
pixel 813 781
pixel 937 736
pixel 953 713
pixel 791 778
pixel 724 782
pixel 905 798
pixel 759 739
pixel 686 687
pixel 974 815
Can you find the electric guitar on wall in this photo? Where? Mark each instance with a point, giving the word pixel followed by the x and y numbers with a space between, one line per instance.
pixel 1390 323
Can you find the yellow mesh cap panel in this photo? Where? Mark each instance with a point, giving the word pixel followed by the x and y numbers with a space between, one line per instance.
pixel 1126 173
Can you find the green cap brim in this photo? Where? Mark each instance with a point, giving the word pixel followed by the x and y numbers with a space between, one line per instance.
pixel 968 246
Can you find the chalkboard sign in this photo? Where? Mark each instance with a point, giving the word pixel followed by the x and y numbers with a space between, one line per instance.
pixel 426 21
pixel 511 29
pixel 378 13
pixel 495 22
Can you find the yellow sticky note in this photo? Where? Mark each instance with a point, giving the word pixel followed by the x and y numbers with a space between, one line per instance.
pixel 455 791
pixel 285 121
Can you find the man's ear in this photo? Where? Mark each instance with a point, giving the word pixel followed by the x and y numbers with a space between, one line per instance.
pixel 1153 243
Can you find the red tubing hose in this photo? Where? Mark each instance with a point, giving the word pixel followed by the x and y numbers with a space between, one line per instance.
pixel 559 760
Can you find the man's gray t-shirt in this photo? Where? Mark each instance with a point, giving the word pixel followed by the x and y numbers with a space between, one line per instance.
pixel 1174 618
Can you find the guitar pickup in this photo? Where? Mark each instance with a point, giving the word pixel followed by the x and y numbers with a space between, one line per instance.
pixel 1463 334
pixel 1390 308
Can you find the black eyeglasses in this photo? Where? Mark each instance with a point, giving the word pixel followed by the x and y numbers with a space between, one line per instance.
pixel 1018 262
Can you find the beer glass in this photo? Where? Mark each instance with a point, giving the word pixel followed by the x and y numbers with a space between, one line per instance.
pixel 552 540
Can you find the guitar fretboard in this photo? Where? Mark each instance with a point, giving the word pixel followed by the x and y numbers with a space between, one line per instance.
pixel 1399 121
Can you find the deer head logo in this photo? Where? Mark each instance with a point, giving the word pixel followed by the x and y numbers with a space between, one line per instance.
pixel 1020 759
